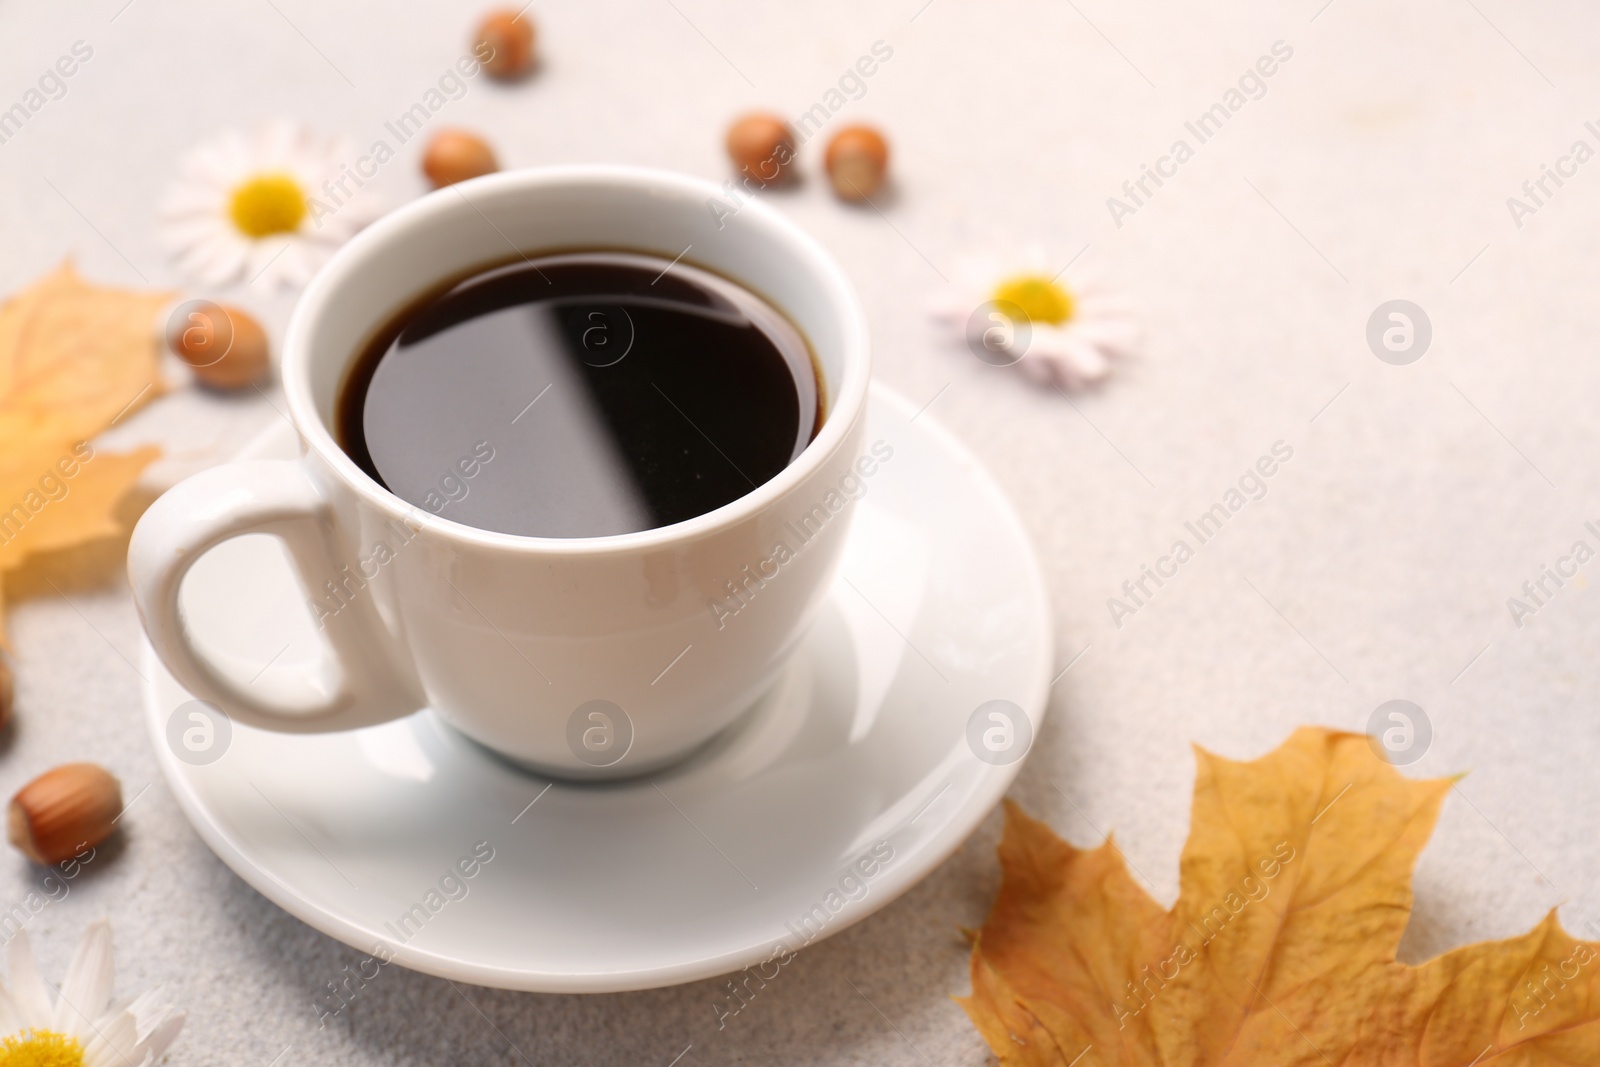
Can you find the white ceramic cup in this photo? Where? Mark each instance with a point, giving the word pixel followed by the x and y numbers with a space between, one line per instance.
pixel 580 657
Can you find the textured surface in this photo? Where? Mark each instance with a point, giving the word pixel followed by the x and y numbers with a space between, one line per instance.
pixel 1375 167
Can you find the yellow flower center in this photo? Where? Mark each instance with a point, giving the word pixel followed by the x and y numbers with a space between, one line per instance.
pixel 41 1048
pixel 267 204
pixel 1040 298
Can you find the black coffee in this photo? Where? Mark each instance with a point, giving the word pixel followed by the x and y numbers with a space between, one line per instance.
pixel 581 395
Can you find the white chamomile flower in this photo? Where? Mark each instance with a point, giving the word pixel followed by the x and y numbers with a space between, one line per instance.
pixel 269 206
pixel 80 1026
pixel 1060 328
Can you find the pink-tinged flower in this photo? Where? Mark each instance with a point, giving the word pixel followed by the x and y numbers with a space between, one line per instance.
pixel 1061 328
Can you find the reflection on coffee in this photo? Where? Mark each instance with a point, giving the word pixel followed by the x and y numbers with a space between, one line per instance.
pixel 581 395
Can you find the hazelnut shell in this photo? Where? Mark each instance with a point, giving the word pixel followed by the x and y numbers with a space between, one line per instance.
pixel 64 810
pixel 8 694
pixel 245 355
pixel 456 155
pixel 510 43
pixel 761 145
pixel 857 161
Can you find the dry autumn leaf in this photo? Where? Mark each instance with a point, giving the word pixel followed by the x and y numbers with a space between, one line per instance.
pixel 74 358
pixel 1295 889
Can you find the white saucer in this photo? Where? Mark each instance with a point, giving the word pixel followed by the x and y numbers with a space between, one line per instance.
pixel 848 783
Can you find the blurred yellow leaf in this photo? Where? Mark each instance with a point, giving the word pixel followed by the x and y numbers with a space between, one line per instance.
pixel 74 359
pixel 1295 889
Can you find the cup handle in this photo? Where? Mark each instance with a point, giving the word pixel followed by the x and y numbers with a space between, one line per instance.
pixel 274 497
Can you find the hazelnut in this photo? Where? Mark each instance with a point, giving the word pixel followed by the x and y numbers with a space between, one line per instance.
pixel 857 159
pixel 504 44
pixel 762 146
pixel 456 155
pixel 64 810
pixel 224 346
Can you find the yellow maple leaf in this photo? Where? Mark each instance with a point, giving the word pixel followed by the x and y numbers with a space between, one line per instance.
pixel 1295 889
pixel 74 359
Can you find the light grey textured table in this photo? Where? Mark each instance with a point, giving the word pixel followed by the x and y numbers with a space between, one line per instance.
pixel 1376 165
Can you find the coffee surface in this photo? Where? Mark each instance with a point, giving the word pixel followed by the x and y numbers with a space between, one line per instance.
pixel 581 395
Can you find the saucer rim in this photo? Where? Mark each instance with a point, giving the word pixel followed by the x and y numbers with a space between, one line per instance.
pixel 993 783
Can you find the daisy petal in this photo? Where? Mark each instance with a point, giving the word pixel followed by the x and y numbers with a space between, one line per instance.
pixel 1038 370
pixel 113 1042
pixel 206 264
pixel 1071 360
pixel 1080 362
pixel 122 1004
pixel 1107 307
pixel 10 1021
pixel 28 991
pixel 161 1038
pixel 179 236
pixel 146 1004
pixel 227 260
pixel 1112 336
pixel 86 991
